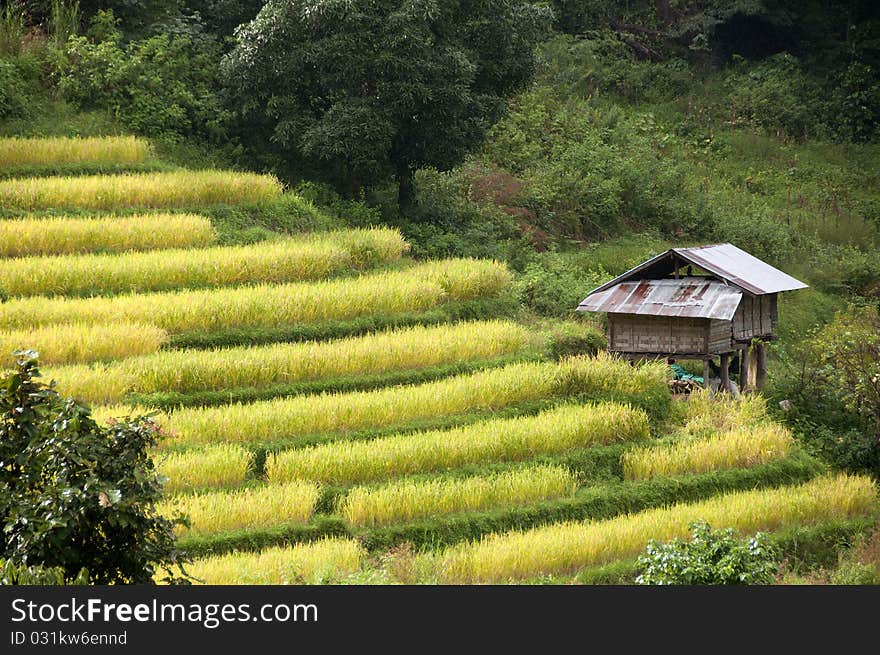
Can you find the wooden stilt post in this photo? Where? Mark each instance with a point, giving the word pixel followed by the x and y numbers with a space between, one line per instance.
pixel 744 371
pixel 725 373
pixel 761 373
pixel 706 373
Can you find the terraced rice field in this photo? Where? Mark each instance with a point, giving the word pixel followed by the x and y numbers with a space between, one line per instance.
pixel 497 464
pixel 420 288
pixel 120 150
pixel 36 236
pixel 278 261
pixel 163 190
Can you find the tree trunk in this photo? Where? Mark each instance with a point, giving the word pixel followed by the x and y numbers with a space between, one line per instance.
pixel 405 187
pixel 761 376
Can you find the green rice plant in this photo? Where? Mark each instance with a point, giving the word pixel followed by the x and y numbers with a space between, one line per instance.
pixel 287 418
pixel 67 343
pixel 223 465
pixel 499 440
pixel 213 512
pixel 415 289
pixel 67 235
pixel 21 151
pixel 275 261
pixel 188 371
pixel 407 500
pixel 313 563
pixel 736 449
pixel 566 547
pixel 182 188
pixel 708 413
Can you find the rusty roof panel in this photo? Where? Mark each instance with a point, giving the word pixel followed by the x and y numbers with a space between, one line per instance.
pixel 690 297
pixel 750 273
pixel 724 260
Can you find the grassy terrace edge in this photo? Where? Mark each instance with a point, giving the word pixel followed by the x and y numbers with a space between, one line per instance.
pixel 596 502
pixel 504 306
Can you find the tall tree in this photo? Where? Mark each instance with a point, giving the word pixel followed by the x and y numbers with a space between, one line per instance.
pixel 363 90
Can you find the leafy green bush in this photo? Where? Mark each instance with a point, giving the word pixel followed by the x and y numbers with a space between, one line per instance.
pixel 552 286
pixel 776 94
pixel 829 383
pixel 710 557
pixel 856 103
pixel 16 76
pixel 163 86
pixel 77 495
pixel 573 338
pixel 21 574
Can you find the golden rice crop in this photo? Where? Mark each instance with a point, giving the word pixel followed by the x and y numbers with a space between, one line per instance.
pixel 511 439
pixel 565 547
pixel 75 343
pixel 63 235
pixel 221 465
pixel 20 151
pixel 182 188
pixel 242 509
pixel 406 500
pixel 311 563
pixel 480 391
pixel 738 448
pixel 194 370
pixel 281 260
pixel 416 289
pixel 709 413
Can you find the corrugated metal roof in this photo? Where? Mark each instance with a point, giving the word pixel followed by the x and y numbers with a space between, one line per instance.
pixel 729 262
pixel 691 297
pixel 723 260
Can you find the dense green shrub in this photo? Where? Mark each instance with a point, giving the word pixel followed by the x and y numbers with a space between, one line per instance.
pixel 710 557
pixel 21 574
pixel 829 385
pixel 574 338
pixel 163 86
pixel 552 286
pixel 77 495
pixel 856 103
pixel 17 74
pixel 778 95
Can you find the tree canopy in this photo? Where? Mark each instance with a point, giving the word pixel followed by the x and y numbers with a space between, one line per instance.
pixel 358 91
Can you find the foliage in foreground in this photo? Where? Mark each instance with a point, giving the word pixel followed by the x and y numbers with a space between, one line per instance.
pixel 77 495
pixel 709 557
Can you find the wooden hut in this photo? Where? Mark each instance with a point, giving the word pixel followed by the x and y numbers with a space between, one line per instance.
pixel 696 303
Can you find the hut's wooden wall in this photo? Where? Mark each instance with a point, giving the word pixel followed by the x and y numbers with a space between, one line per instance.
pixel 633 333
pixel 755 317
